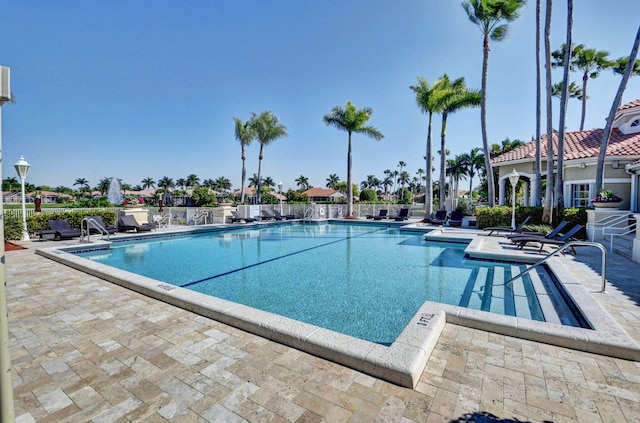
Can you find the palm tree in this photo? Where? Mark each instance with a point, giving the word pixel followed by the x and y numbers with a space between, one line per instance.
pixel 182 183
pixel 620 66
pixel 420 172
pixel 386 183
pixel 352 120
pixel 303 183
pixel 84 185
pixel 429 99
pixel 148 183
pixel 489 16
pixel 606 133
pixel 461 97
pixel 253 181
pixel 193 181
pixel 403 178
pixel 458 169
pixel 371 182
pixel 165 184
pixel 537 164
pixel 548 198
pixel 244 134
pixel 103 185
pixel 268 182
pixel 222 184
pixel 401 165
pixel 588 60
pixel 574 91
pixel 267 128
pixel 476 164
pixel 332 180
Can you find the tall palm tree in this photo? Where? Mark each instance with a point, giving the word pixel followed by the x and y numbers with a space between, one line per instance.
pixel 620 66
pixel 574 91
pixel 476 163
pixel 267 128
pixel 537 164
pixel 182 183
pixel 244 135
pixel 332 180
pixel 420 172
pixel 222 184
pixel 492 17
pixel 268 182
pixel 253 181
pixel 148 183
pixel 461 98
pixel 84 185
pixel 386 183
pixel 458 169
pixel 587 60
pixel 429 99
pixel 303 183
pixel 403 179
pixel 401 165
pixel 548 197
pixel 103 185
pixel 606 133
pixel 352 120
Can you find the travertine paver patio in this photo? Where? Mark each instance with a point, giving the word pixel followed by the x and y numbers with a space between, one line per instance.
pixel 86 350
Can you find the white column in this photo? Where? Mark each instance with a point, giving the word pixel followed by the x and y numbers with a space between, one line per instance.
pixel 527 193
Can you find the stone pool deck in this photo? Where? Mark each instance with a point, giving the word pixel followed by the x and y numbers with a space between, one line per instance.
pixel 84 349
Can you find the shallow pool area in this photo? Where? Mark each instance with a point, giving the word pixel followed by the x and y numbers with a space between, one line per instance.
pixel 264 279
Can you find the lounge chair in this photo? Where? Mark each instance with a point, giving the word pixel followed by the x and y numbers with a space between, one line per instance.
pixel 280 216
pixel 563 239
pixel 111 229
pixel 235 218
pixel 265 215
pixel 439 219
pixel 498 229
pixel 127 222
pixel 63 230
pixel 382 214
pixel 551 235
pixel 456 218
pixel 403 215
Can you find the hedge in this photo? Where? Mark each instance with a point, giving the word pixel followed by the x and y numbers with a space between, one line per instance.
pixel 501 216
pixel 40 221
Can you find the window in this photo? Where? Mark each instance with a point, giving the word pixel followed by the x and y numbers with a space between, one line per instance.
pixel 635 123
pixel 580 195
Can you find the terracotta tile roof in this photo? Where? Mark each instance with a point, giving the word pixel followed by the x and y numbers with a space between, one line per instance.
pixel 319 192
pixel 630 105
pixel 578 145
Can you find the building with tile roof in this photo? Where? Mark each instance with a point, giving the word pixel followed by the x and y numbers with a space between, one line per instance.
pixel 581 150
pixel 324 194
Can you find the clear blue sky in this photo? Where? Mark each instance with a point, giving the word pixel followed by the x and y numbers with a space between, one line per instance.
pixel 137 89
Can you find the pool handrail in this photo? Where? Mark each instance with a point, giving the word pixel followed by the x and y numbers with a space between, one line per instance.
pixel 562 248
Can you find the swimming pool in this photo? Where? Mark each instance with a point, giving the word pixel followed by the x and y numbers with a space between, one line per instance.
pixel 363 281
pixel 384 257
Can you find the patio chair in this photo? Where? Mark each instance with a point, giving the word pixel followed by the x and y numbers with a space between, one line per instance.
pixel 439 219
pixel 554 233
pixel 63 229
pixel 127 222
pixel 498 229
pixel 235 218
pixel 456 218
pixel 382 214
pixel 111 229
pixel 265 215
pixel 561 240
pixel 280 216
pixel 403 215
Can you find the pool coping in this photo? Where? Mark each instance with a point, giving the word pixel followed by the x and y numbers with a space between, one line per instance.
pixel 401 363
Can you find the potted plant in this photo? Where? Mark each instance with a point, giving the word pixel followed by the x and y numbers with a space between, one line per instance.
pixel 133 202
pixel 607 199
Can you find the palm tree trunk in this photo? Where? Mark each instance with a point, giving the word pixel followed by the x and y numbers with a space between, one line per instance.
pixel 585 78
pixel 443 161
pixel 244 176
pixel 260 171
pixel 546 213
pixel 537 191
pixel 606 133
pixel 483 122
pixel 559 187
pixel 349 185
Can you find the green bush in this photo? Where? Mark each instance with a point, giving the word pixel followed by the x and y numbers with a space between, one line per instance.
pixel 13 227
pixel 368 195
pixel 39 222
pixel 501 216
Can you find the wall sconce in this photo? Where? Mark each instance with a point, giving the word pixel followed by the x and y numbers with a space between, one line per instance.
pixel 615 164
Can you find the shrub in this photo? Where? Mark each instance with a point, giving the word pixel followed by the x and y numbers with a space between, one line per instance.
pixel 13 227
pixel 39 222
pixel 368 195
pixel 501 216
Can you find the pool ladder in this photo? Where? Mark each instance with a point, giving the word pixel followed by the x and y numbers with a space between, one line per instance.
pixel 564 247
pixel 88 223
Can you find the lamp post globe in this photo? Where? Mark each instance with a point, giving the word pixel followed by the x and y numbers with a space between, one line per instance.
pixel 513 178
pixel 22 168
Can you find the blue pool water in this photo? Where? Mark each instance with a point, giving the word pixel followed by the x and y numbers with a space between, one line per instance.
pixel 359 280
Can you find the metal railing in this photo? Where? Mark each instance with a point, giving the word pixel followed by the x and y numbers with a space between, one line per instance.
pixel 612 222
pixel 559 250
pixel 89 223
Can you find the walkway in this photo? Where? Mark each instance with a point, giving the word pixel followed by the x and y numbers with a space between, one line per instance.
pixel 86 350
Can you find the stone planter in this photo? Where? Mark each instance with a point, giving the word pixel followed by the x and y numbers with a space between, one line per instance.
pixel 607 204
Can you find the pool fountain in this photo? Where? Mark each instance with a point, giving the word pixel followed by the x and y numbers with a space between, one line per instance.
pixel 114 194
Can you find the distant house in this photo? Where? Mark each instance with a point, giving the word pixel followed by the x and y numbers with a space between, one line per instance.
pixel 324 194
pixel 252 198
pixel 47 197
pixel 581 150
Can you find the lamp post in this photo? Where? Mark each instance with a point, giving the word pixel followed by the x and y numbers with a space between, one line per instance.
pixel 513 178
pixel 280 192
pixel 22 167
